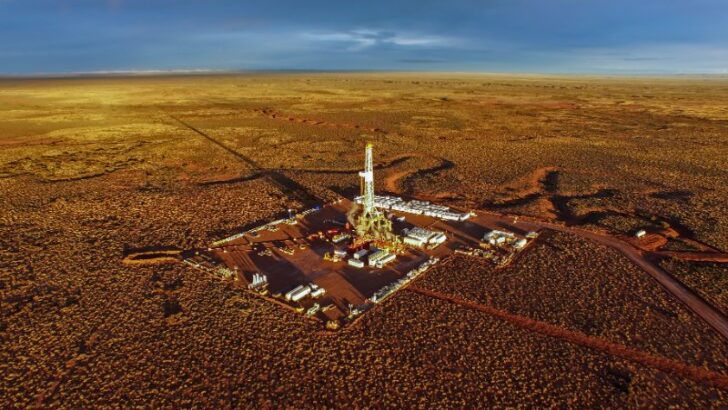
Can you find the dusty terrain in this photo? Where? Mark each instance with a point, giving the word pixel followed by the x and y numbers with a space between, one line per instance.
pixel 90 168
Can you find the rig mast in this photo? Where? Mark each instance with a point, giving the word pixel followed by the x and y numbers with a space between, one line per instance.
pixel 370 223
pixel 367 181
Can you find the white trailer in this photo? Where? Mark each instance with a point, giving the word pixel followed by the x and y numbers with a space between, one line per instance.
pixel 386 259
pixel 376 256
pixel 356 263
pixel 408 240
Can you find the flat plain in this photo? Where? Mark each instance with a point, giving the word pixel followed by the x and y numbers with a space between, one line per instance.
pixel 93 167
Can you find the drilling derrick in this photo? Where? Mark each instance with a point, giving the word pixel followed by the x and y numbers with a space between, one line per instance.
pixel 367 181
pixel 370 223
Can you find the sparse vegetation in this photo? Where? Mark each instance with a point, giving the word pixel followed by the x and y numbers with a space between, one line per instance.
pixel 710 280
pixel 89 168
pixel 561 280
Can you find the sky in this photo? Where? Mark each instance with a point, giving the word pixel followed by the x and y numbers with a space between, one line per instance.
pixel 538 36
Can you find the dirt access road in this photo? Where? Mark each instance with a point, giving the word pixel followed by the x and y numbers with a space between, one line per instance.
pixel 692 300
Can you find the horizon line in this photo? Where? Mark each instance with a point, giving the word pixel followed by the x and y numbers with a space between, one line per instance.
pixel 222 72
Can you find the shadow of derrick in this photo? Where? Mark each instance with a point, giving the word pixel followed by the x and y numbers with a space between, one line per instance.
pixel 287 186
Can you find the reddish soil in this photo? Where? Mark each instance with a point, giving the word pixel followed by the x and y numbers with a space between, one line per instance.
pixel 541 181
pixel 530 184
pixel 650 242
pixel 696 256
pixel 654 241
pixel 697 374
pixel 284 117
pixel 152 256
pixel 691 299
pixel 390 182
pixel 80 329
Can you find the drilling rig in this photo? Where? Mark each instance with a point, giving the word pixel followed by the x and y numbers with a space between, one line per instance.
pixel 369 222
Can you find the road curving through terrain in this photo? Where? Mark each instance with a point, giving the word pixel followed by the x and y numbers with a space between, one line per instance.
pixel 677 289
pixel 692 300
pixel 688 297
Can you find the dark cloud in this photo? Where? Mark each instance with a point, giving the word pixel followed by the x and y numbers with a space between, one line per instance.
pixel 486 35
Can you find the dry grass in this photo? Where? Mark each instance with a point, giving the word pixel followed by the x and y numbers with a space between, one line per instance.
pixel 89 168
pixel 709 279
pixel 561 280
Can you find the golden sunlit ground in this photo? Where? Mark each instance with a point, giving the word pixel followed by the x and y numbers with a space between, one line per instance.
pixel 91 167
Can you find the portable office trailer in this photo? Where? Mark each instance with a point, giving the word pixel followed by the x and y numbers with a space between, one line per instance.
pixel 386 259
pixel 408 240
pixel 356 263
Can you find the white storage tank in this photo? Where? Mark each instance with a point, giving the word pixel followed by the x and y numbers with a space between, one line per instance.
pixel 301 294
pixel 298 293
pixel 317 292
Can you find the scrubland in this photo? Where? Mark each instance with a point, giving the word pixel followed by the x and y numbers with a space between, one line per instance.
pixel 605 296
pixel 710 279
pixel 92 167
